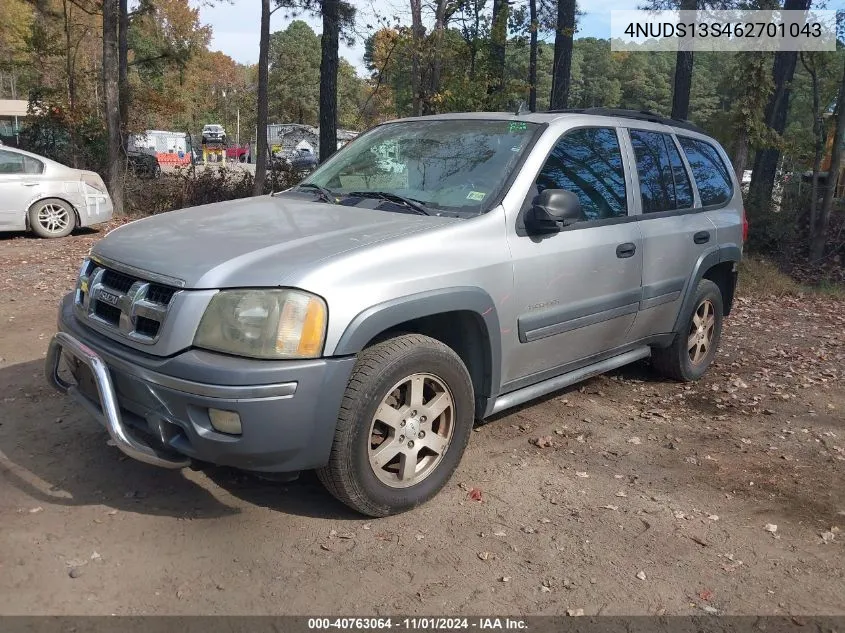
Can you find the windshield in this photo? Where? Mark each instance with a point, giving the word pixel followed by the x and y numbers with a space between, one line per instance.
pixel 454 165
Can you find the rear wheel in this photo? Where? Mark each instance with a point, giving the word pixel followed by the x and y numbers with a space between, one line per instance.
pixel 403 426
pixel 694 347
pixel 52 217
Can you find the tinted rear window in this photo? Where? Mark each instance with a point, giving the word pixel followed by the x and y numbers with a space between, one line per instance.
pixel 711 175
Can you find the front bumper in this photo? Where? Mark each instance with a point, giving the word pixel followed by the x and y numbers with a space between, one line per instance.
pixel 156 409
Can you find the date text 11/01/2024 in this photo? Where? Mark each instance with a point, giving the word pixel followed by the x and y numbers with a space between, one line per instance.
pixel 417 623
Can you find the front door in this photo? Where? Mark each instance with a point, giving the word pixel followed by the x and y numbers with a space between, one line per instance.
pixel 576 291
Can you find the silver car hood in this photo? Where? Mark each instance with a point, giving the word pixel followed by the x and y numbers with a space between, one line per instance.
pixel 264 241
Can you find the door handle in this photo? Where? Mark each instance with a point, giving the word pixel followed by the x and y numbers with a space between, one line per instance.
pixel 626 250
pixel 702 237
pixel 29 184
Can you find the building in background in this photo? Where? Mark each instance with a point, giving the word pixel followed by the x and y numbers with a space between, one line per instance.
pixel 13 113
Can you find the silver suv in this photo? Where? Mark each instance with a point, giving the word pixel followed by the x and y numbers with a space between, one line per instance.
pixel 434 271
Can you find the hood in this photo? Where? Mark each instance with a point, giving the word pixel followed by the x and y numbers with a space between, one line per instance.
pixel 264 241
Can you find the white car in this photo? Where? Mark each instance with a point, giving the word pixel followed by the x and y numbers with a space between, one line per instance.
pixel 48 198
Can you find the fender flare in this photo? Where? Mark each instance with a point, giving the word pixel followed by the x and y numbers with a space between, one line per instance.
pixel 381 317
pixel 718 255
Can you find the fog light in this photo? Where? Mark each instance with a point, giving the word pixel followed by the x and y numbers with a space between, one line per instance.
pixel 225 421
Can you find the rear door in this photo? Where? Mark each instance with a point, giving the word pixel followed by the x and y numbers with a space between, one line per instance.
pixel 674 230
pixel 576 292
pixel 19 180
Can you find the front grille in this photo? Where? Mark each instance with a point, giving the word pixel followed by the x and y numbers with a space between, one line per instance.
pixel 105 295
pixel 160 294
pixel 147 327
pixel 117 281
pixel 107 313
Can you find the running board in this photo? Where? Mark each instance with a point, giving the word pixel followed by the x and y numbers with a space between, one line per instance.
pixel 521 396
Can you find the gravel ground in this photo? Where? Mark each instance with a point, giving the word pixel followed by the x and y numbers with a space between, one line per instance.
pixel 626 494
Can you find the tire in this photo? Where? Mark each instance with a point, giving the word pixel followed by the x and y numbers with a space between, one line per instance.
pixel 51 218
pixel 688 358
pixel 157 171
pixel 382 388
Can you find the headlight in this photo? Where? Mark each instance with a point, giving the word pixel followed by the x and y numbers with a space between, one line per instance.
pixel 264 324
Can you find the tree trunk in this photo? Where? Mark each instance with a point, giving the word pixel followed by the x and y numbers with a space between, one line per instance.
pixel 329 61
pixel 416 46
pixel 562 66
pixel 40 27
pixel 818 138
pixel 123 74
pixel 683 74
pixel 766 161
pixel 437 68
pixel 498 41
pixel 819 239
pixel 261 119
pixel 71 87
pixel 532 57
pixel 740 159
pixel 116 164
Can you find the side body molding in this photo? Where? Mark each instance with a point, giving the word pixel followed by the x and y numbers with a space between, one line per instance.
pixel 383 316
pixel 718 255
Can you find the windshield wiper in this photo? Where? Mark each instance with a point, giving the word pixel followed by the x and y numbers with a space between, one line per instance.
pixel 326 195
pixel 417 206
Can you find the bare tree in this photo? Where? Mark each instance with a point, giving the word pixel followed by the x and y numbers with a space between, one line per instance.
pixel 819 238
pixel 683 74
pixel 261 118
pixel 498 42
pixel 766 160
pixel 818 138
pixel 532 56
pixel 562 70
pixel 437 65
pixel 111 73
pixel 123 70
pixel 329 61
pixel 416 50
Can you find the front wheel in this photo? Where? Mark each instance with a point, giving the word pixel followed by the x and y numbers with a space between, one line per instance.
pixel 695 345
pixel 404 423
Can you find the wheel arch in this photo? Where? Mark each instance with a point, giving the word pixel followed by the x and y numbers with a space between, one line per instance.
pixel 72 206
pixel 464 318
pixel 719 266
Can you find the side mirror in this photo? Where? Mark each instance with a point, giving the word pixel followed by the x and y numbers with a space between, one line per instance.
pixel 553 210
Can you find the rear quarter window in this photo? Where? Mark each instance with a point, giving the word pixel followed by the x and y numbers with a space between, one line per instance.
pixel 711 175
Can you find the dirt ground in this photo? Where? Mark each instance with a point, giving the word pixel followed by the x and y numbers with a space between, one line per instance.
pixel 654 497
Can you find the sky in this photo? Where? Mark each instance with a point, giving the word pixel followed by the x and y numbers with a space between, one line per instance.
pixel 235 24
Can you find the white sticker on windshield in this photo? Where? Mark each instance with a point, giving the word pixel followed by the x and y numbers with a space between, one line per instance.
pixel 478 196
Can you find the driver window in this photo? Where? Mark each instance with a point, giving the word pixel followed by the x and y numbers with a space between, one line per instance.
pixel 588 162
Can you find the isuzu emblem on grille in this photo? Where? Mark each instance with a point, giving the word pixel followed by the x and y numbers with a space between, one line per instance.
pixel 109 298
pixel 93 288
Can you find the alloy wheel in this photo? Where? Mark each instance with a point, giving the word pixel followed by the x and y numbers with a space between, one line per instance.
pixel 53 218
pixel 701 332
pixel 411 430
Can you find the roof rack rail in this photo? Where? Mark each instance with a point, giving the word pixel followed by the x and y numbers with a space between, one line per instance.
pixel 639 115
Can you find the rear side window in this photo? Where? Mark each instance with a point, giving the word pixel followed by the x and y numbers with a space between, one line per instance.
pixel 664 183
pixel 13 163
pixel 588 162
pixel 711 175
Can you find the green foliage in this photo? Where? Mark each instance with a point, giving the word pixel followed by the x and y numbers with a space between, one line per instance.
pixel 294 91
pixel 52 133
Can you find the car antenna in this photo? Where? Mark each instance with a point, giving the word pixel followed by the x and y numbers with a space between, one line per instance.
pixel 522 108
